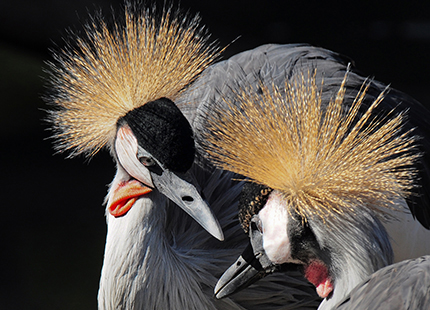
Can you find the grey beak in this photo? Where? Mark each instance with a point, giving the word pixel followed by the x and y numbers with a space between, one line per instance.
pixel 242 273
pixel 250 267
pixel 186 196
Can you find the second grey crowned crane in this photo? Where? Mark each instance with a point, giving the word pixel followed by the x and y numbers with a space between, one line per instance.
pixel 330 160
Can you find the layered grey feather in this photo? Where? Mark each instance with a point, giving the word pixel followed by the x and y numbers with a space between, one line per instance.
pixel 405 285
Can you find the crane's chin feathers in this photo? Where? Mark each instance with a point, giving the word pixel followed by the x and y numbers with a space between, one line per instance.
pixel 325 157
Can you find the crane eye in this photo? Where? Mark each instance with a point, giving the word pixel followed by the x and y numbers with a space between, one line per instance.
pixel 147 161
pixel 256 224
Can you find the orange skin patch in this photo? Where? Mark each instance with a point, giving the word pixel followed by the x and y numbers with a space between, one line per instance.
pixel 125 195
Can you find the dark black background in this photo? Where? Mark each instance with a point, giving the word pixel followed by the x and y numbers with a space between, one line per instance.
pixel 52 219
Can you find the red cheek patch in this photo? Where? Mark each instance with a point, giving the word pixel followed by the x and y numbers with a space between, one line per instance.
pixel 317 273
pixel 125 195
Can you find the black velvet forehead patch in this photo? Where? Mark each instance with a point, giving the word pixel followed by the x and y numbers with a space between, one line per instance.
pixel 163 131
pixel 252 199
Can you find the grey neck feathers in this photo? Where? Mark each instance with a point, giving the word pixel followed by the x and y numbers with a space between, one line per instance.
pixel 359 245
pixel 142 270
pixel 158 257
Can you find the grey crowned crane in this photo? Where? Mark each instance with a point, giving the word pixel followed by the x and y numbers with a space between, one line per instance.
pixel 115 87
pixel 332 166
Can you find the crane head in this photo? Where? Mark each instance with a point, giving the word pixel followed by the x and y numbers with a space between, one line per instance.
pixel 313 160
pixel 154 148
pixel 278 241
pixel 114 87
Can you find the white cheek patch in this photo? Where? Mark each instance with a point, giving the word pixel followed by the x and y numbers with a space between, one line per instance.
pixel 274 219
pixel 126 149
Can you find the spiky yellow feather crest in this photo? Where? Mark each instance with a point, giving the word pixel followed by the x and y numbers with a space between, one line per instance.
pixel 323 157
pixel 112 70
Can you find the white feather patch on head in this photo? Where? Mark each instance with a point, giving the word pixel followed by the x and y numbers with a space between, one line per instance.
pixel 126 149
pixel 274 219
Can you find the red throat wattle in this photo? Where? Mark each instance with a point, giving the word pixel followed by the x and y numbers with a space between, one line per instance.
pixel 317 273
pixel 125 195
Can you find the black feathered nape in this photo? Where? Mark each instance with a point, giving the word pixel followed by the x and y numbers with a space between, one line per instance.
pixel 252 199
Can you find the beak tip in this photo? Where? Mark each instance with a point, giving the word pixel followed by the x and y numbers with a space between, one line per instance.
pixel 218 234
pixel 211 225
pixel 218 291
pixel 220 237
pixel 219 295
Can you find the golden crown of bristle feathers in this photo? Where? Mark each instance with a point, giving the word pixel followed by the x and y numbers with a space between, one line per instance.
pixel 114 70
pixel 325 159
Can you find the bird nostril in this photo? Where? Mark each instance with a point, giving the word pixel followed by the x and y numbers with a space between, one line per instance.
pixel 238 264
pixel 187 199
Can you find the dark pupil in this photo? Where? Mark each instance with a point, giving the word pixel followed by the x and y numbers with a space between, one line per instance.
pixel 147 161
pixel 254 226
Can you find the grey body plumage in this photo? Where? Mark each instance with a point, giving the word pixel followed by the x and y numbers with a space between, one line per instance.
pixel 404 285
